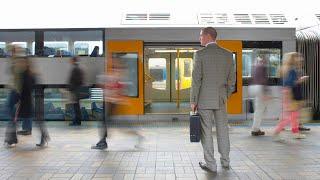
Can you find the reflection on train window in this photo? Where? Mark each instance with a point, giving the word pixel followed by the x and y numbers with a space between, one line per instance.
pixel 235 70
pixel 73 43
pixel 158 72
pixel 58 106
pixel 56 48
pixel 185 70
pixel 250 55
pixel 23 39
pixel 3 99
pixel 84 48
pixel 129 64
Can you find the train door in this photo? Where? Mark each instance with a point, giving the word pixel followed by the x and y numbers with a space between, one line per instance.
pixel 130 55
pixel 167 79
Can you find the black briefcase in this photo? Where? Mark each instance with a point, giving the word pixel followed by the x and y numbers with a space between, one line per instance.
pixel 195 127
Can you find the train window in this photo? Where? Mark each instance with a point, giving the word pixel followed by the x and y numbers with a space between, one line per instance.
pixel 269 50
pixel 57 105
pixel 23 39
pixel 250 55
pixel 128 64
pixel 185 71
pixel 158 71
pixel 73 43
pixel 3 99
pixel 54 48
pixel 85 48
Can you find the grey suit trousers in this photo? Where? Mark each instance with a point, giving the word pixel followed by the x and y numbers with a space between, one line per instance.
pixel 208 117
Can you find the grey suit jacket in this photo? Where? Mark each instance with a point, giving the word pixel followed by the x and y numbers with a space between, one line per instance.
pixel 213 77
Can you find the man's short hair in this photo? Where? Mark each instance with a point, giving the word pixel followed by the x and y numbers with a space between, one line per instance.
pixel 211 31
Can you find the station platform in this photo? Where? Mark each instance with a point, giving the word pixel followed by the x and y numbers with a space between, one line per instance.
pixel 157 150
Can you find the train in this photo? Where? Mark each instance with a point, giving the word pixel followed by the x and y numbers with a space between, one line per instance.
pixel 159 57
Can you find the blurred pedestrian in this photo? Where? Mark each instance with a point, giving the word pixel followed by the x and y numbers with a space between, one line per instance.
pixel 291 95
pixel 13 100
pixel 113 88
pixel 259 91
pixel 75 83
pixel 26 99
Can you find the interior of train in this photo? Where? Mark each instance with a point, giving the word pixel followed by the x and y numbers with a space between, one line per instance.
pixel 167 79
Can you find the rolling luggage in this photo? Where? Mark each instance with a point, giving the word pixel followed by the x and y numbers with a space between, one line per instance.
pixel 195 127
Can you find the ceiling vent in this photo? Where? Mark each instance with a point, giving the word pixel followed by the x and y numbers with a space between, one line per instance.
pixel 213 18
pixel 242 19
pixel 136 17
pixel 260 19
pixel 278 18
pixel 145 18
pixel 160 17
pixel 206 18
pixel 222 18
pixel 318 16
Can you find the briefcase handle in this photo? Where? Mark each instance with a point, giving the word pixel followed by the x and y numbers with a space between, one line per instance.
pixel 195 113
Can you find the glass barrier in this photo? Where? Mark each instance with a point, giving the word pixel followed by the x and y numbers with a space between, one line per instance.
pixel 58 105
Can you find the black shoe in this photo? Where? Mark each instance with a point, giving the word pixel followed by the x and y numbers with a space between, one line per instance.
pixel 224 166
pixel 11 143
pixel 100 145
pixel 257 133
pixel 44 141
pixel 302 128
pixel 24 133
pixel 206 168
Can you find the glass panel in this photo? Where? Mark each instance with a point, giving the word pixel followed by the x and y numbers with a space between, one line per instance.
pixel 129 61
pixel 83 48
pixel 3 100
pixel 273 57
pixel 158 71
pixel 185 70
pixel 56 49
pixel 73 43
pixel 57 105
pixel 235 70
pixel 23 39
pixel 55 101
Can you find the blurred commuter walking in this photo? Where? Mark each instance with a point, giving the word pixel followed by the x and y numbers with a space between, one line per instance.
pixel 259 90
pixel 291 95
pixel 26 110
pixel 113 88
pixel 75 84
pixel 13 100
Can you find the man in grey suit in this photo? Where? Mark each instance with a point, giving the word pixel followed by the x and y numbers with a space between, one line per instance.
pixel 213 80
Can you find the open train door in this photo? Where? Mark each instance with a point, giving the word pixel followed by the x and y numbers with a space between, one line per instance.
pixel 130 54
pixel 234 104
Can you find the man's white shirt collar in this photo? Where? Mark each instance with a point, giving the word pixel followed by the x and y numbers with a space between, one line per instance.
pixel 211 43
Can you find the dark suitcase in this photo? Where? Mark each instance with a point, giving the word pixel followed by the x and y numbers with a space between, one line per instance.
pixel 11 133
pixel 195 127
